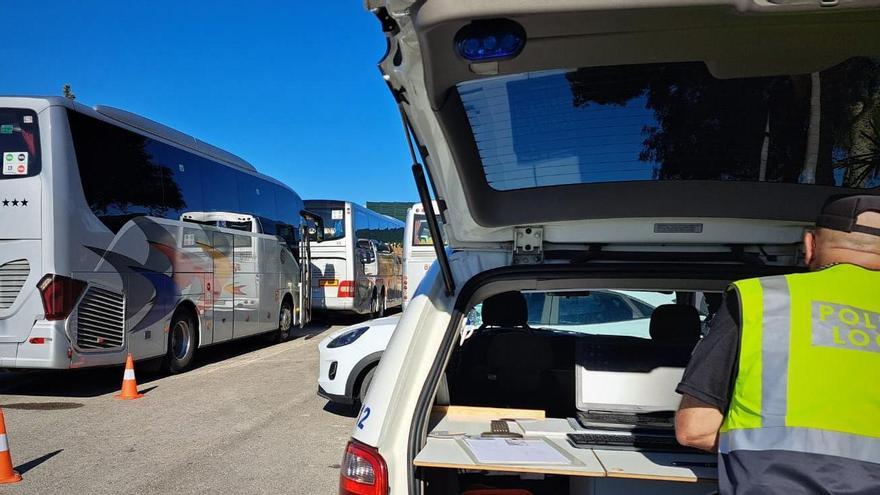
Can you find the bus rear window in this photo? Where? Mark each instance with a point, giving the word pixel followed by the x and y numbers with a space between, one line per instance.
pixel 19 143
pixel 421 232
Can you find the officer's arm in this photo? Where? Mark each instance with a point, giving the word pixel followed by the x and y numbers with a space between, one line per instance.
pixel 697 423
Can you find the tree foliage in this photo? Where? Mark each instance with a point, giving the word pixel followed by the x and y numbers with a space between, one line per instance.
pixel 708 128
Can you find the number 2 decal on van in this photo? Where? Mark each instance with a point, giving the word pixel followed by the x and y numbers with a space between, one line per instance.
pixel 365 413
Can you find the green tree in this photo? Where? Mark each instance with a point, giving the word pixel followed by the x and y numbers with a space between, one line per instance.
pixel 67 92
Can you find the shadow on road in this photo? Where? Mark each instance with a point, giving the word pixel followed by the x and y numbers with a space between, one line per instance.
pixel 27 466
pixel 95 382
pixel 341 409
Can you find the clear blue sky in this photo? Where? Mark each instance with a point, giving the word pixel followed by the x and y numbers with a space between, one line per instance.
pixel 291 87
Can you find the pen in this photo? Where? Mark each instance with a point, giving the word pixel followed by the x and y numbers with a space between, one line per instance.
pixel 695 464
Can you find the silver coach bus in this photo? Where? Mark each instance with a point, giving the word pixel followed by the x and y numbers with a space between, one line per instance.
pixel 118 234
pixel 357 268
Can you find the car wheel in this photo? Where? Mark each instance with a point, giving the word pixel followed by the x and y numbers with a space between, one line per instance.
pixel 181 341
pixel 365 384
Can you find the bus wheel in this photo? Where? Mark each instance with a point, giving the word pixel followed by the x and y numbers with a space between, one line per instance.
pixel 181 342
pixel 374 305
pixel 285 323
pixel 381 311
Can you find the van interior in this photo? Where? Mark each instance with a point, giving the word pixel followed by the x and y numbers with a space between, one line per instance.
pixel 583 360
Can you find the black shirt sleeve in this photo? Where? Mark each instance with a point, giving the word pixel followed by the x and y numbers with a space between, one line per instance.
pixel 711 372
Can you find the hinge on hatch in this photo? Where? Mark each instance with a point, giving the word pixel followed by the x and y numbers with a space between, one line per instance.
pixel 528 245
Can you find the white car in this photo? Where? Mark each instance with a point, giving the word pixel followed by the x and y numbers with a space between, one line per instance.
pixel 348 359
pixel 577 147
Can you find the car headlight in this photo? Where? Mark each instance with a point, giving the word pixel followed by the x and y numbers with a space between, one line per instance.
pixel 347 337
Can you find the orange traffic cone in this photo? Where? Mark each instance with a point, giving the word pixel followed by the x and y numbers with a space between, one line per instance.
pixel 129 384
pixel 7 474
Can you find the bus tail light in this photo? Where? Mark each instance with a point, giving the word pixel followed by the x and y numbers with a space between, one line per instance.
pixel 60 295
pixel 363 471
pixel 346 289
pixel 405 288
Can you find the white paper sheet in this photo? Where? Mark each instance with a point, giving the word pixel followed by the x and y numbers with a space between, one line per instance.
pixel 514 451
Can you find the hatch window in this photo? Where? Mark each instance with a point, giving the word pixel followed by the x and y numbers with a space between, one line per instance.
pixel 676 121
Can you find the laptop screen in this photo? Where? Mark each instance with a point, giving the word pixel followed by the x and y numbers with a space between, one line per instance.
pixel 629 374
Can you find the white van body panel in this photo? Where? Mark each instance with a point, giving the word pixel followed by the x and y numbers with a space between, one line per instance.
pixel 408 359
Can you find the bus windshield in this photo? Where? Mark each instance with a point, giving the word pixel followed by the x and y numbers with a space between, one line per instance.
pixel 421 233
pixel 19 143
pixel 334 221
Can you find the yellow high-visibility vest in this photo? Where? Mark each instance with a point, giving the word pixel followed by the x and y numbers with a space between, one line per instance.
pixel 809 366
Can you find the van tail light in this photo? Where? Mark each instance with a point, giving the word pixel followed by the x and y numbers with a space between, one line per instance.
pixel 346 289
pixel 363 471
pixel 59 295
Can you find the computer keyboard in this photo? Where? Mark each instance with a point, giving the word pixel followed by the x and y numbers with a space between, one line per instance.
pixel 658 419
pixel 627 441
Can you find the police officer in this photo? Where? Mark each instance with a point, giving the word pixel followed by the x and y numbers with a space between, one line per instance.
pixel 786 383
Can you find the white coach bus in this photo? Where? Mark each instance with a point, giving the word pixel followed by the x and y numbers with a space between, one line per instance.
pixel 357 267
pixel 418 250
pixel 118 234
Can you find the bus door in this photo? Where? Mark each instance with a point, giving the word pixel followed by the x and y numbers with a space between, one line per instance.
pixel 223 286
pixel 310 229
pixel 305 276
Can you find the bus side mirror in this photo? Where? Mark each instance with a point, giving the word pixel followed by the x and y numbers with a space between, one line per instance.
pixel 365 256
pixel 315 225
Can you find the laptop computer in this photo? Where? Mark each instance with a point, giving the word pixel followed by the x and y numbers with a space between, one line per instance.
pixel 624 407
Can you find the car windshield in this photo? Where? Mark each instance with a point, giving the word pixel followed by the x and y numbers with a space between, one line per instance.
pixel 676 121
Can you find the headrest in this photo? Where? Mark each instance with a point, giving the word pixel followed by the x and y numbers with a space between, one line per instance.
pixel 508 309
pixel 676 323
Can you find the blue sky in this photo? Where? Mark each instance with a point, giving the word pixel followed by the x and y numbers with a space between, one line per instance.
pixel 291 87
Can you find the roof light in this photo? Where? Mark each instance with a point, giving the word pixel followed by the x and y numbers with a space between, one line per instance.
pixel 490 40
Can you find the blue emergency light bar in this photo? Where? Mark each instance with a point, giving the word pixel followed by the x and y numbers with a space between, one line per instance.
pixel 496 39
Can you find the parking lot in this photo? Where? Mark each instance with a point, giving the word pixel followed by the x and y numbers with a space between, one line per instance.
pixel 245 419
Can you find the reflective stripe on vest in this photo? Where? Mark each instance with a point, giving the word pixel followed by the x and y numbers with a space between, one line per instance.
pixel 792 328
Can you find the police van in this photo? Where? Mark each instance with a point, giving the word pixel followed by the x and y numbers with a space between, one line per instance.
pixel 580 152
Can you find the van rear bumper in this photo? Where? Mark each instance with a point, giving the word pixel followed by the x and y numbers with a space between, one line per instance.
pixel 52 354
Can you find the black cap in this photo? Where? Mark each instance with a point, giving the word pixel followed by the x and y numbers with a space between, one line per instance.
pixel 842 213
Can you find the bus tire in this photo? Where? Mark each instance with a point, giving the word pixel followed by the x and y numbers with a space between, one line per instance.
pixel 365 385
pixel 374 305
pixel 181 341
pixel 285 323
pixel 382 304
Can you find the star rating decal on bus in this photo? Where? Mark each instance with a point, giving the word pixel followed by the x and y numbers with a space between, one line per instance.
pixel 15 202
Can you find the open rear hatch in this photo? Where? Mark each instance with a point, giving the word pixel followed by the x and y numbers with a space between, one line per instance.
pixel 689 123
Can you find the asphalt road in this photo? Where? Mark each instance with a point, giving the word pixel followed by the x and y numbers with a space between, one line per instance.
pixel 245 420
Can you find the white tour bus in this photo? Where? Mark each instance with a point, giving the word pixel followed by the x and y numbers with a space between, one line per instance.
pixel 581 150
pixel 418 250
pixel 357 267
pixel 120 235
